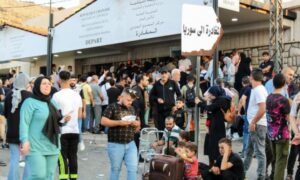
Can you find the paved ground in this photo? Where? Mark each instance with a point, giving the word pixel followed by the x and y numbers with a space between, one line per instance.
pixel 94 162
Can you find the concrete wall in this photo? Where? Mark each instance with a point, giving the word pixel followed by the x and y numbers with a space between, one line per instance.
pixel 19 66
pixel 291 55
pixel 59 61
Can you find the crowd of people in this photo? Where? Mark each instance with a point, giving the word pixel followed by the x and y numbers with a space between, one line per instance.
pixel 46 117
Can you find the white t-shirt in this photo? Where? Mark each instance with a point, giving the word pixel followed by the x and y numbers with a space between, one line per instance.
pixel 258 95
pixel 185 62
pixel 294 113
pixel 69 102
pixel 104 89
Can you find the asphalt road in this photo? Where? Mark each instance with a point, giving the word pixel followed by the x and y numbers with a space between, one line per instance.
pixel 94 163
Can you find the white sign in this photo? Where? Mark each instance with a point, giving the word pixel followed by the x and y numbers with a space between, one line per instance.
pixel 201 30
pixel 107 22
pixel 233 5
pixel 17 44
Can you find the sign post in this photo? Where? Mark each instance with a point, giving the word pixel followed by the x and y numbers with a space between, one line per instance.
pixel 200 35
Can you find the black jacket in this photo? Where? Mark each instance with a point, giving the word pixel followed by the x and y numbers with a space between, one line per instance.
pixel 139 104
pixel 165 92
pixel 13 119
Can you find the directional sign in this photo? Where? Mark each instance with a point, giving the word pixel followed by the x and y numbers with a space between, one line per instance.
pixel 233 5
pixel 201 30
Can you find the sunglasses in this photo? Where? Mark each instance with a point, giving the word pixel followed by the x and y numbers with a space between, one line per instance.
pixel 132 92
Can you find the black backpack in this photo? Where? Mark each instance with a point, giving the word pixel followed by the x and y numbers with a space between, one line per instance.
pixel 190 96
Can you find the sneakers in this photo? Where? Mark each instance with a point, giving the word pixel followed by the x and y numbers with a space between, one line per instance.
pixel 81 146
pixel 5 146
pixel 2 163
pixel 22 163
pixel 235 137
pixel 289 177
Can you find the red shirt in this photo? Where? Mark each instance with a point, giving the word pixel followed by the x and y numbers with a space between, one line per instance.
pixel 191 169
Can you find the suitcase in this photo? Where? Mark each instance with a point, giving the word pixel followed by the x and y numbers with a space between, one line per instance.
pixel 164 167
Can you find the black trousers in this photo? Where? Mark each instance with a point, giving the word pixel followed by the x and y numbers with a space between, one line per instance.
pixel 161 116
pixel 67 160
pixel 292 158
pixel 225 175
pixel 298 169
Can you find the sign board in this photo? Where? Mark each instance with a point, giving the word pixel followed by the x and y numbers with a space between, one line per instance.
pixel 201 30
pixel 261 4
pixel 233 5
pixel 107 22
pixel 17 44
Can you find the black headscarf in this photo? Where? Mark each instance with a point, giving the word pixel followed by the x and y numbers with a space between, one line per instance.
pixel 216 91
pixel 51 127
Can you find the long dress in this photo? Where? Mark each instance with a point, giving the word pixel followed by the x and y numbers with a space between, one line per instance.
pixel 217 126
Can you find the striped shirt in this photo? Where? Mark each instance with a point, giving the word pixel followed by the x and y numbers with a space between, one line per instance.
pixel 172 135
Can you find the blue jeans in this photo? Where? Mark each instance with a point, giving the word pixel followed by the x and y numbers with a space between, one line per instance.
pixel 80 129
pixel 256 144
pixel 245 134
pixel 97 116
pixel 14 170
pixel 88 117
pixel 119 152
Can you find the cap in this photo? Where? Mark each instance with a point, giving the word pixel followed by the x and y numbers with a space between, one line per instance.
pixel 163 69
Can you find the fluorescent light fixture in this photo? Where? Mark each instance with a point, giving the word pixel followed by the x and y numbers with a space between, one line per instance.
pixel 234 19
pixel 56 55
pixel 35 58
pixel 79 52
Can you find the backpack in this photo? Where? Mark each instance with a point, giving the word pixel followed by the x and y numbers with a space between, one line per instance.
pixel 190 96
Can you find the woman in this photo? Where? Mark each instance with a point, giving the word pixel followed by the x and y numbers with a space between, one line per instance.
pixel 219 104
pixel 39 129
pixel 12 104
pixel 244 69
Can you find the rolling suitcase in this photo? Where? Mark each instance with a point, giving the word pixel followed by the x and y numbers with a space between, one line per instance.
pixel 164 167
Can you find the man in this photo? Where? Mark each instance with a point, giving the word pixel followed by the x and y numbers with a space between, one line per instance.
pixel 163 93
pixel 242 111
pixel 229 165
pixel 209 75
pixel 186 63
pixel 113 92
pixel 175 74
pixel 278 109
pixel 288 73
pixel 257 124
pixel 70 104
pixel 267 66
pixel 295 117
pixel 121 119
pixel 89 101
pixel 171 135
pixel 77 88
pixel 96 91
pixel 142 82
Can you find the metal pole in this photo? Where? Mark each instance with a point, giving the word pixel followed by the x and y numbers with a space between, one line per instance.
pixel 50 41
pixel 197 110
pixel 216 55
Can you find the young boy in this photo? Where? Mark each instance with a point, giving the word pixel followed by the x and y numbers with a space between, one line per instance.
pixel 190 161
pixel 179 114
pixel 228 166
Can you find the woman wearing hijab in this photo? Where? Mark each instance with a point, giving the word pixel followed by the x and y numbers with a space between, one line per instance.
pixel 244 69
pixel 218 102
pixel 12 104
pixel 39 129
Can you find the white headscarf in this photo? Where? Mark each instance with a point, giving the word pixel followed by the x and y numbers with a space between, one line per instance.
pixel 19 85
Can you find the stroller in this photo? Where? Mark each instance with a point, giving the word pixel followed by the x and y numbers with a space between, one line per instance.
pixel 147 137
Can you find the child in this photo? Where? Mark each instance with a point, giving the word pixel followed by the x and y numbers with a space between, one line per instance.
pixel 184 136
pixel 190 161
pixel 179 114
